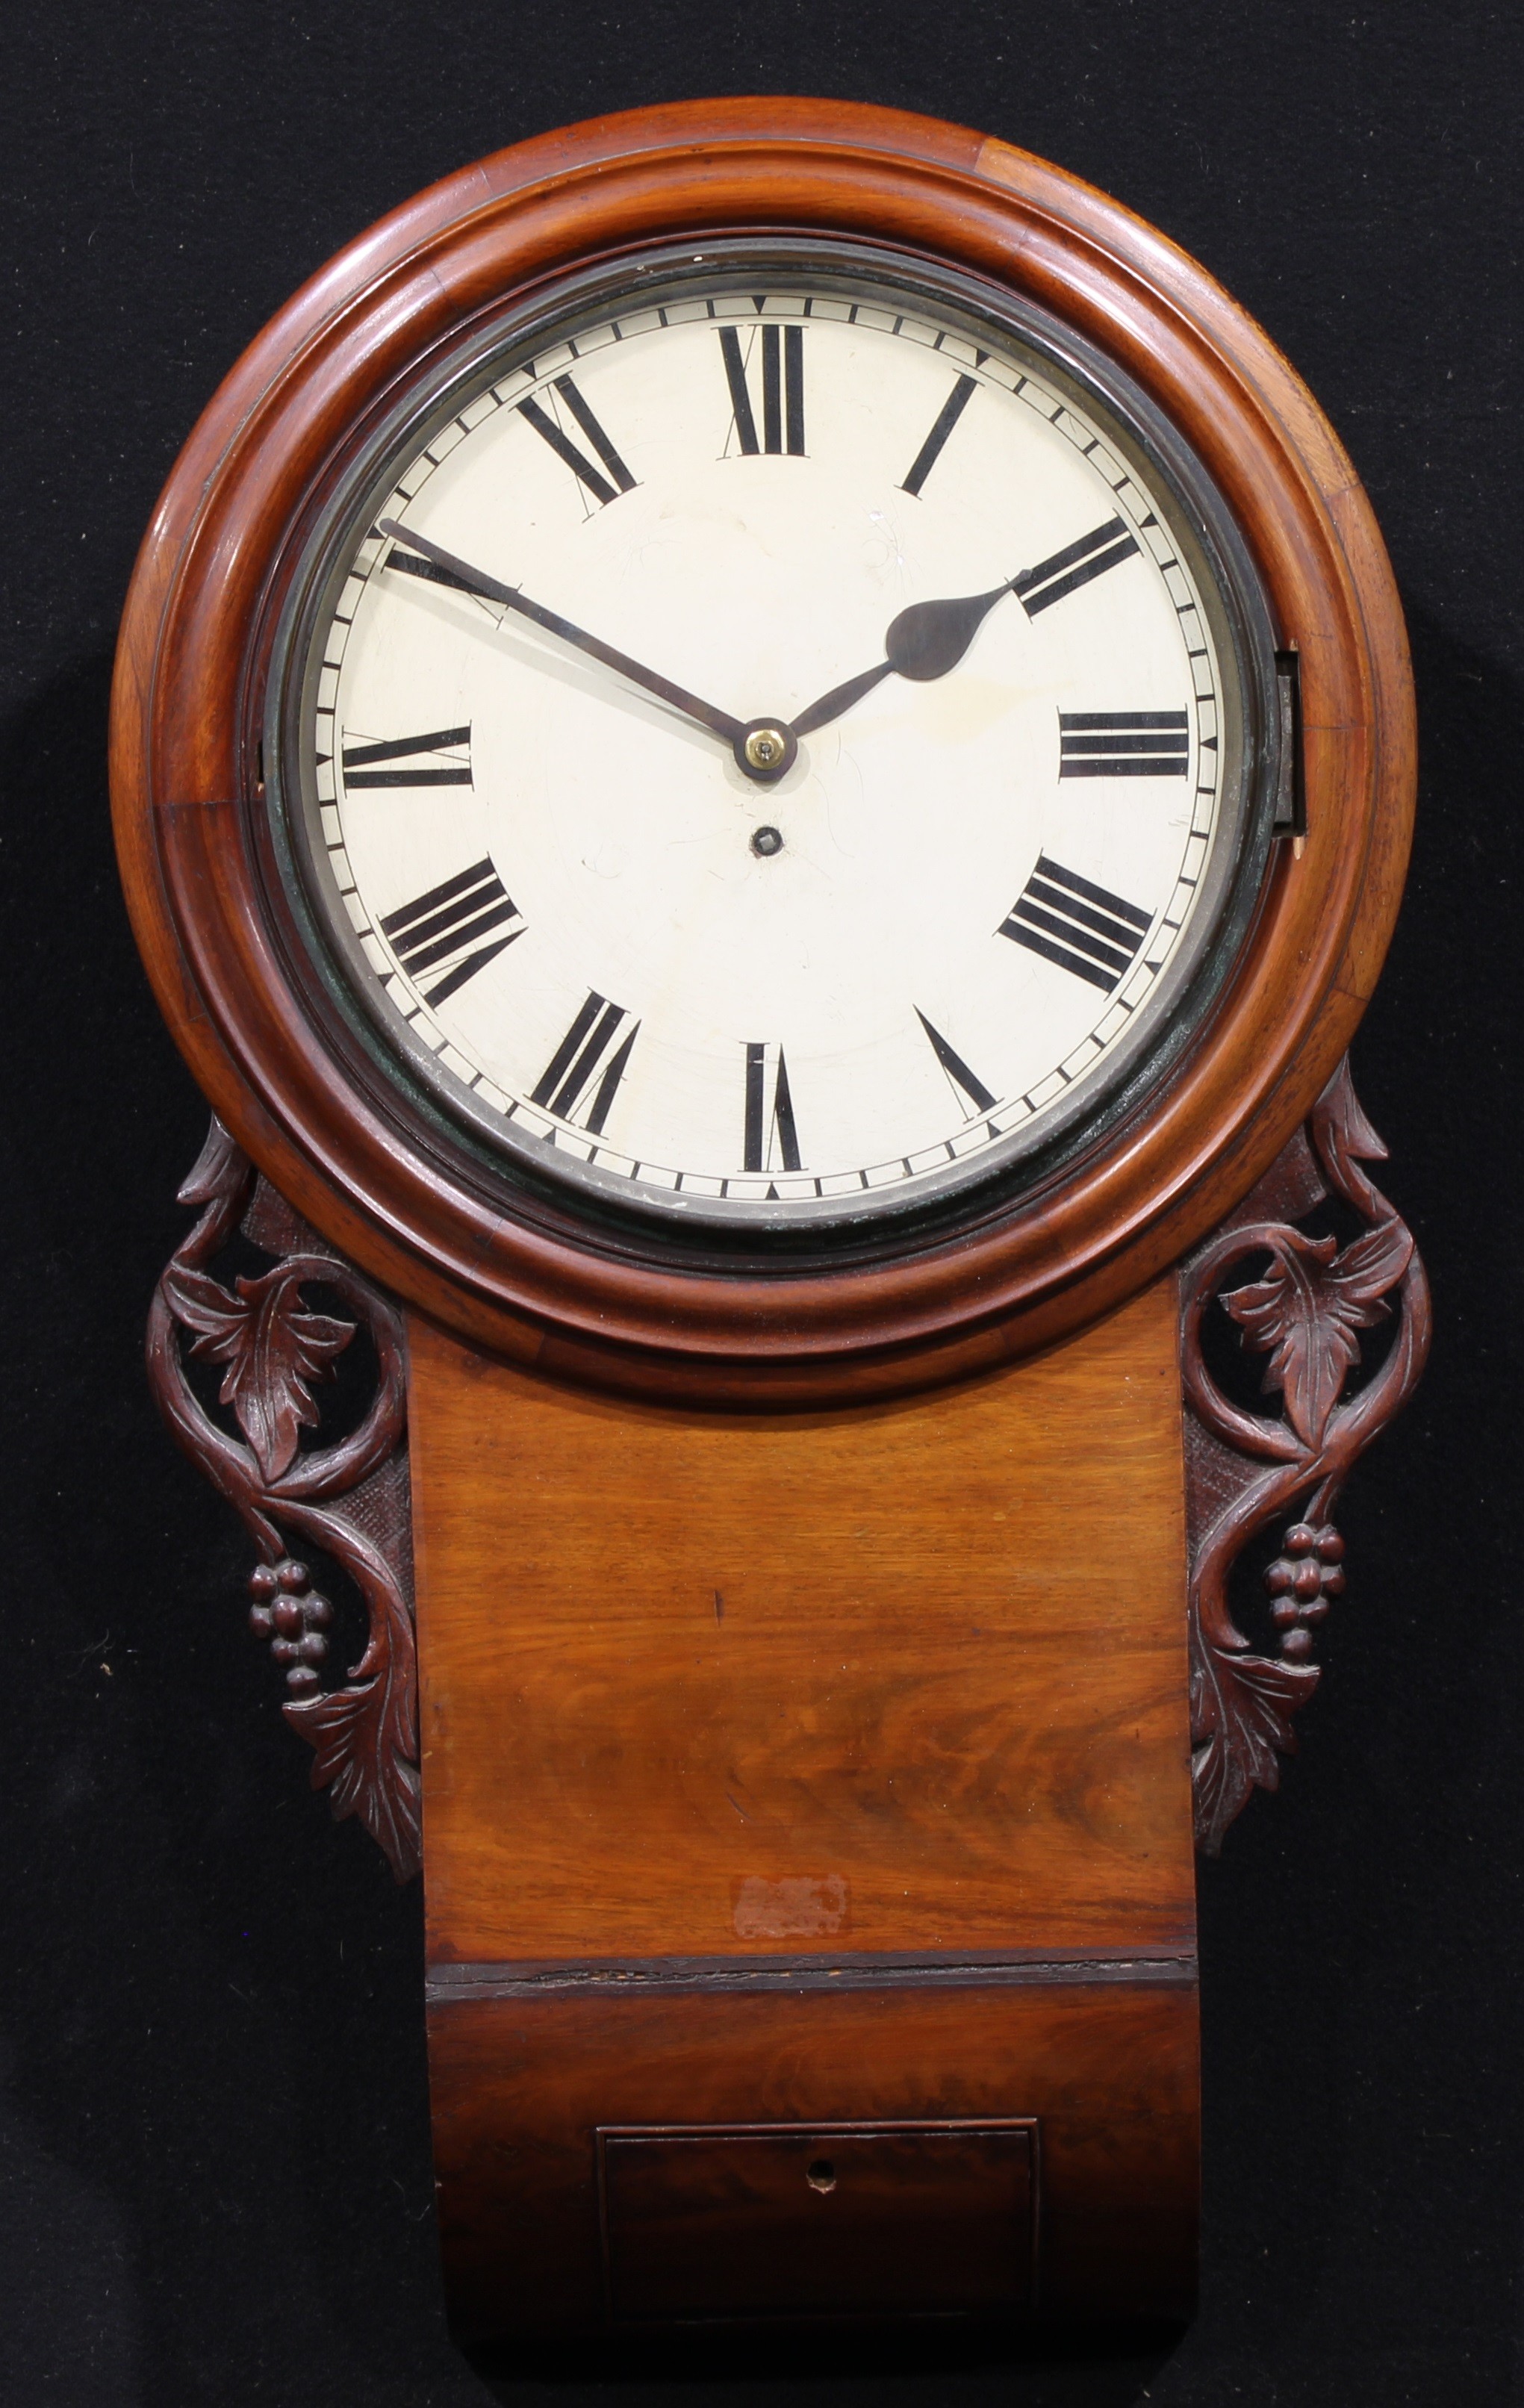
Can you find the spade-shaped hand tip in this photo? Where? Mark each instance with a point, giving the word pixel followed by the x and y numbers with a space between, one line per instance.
pixel 931 638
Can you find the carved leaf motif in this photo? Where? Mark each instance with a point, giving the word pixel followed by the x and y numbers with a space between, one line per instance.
pixel 1305 1312
pixel 273 1351
pixel 1241 1708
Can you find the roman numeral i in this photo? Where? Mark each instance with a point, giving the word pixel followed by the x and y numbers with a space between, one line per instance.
pixel 442 927
pixel 782 350
pixel 572 453
pixel 1082 927
pixel 442 759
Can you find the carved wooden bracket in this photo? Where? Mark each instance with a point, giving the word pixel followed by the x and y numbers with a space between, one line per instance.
pixel 1245 1470
pixel 350 1498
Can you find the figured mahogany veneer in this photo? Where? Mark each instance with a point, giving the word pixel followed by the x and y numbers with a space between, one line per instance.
pixel 249 1013
pixel 806 1769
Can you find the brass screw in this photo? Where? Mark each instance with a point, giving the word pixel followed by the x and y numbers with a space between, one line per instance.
pixel 766 747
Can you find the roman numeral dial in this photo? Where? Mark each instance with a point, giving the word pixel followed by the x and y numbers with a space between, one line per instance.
pixel 830 697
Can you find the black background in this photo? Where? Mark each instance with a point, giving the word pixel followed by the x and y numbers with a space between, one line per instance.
pixel 214 2181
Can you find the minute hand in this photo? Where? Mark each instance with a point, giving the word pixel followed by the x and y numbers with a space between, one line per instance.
pixel 924 642
pixel 441 568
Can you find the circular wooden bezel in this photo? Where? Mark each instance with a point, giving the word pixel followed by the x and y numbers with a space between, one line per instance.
pixel 194 650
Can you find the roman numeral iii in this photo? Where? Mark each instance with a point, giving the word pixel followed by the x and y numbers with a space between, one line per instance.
pixel 442 927
pixel 1052 579
pixel 575 457
pixel 583 1072
pixel 779 350
pixel 1123 744
pixel 1076 924
pixel 771 1139
pixel 442 758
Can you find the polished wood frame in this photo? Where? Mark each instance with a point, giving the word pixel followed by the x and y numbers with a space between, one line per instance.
pixel 222 546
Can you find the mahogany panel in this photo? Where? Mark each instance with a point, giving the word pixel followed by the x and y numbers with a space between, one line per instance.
pixel 700 1684
pixel 522 2085
pixel 255 1024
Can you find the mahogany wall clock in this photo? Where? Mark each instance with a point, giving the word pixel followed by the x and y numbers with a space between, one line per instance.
pixel 763 756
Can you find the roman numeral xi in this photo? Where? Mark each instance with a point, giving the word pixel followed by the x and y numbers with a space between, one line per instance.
pixel 561 443
pixel 781 350
pixel 1071 921
pixel 440 930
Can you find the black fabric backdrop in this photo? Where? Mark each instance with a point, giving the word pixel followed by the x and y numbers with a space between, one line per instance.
pixel 214 2178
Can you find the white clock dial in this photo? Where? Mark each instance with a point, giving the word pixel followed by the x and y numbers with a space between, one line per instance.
pixel 923 918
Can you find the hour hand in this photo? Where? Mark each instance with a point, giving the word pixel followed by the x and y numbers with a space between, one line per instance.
pixel 922 643
pixel 416 556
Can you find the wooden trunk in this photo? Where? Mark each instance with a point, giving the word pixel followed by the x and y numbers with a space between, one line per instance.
pixel 807 1844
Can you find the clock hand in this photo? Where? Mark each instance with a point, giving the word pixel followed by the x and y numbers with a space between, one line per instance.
pixel 441 568
pixel 922 643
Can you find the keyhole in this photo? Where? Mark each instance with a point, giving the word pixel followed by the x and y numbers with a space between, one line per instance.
pixel 821 2175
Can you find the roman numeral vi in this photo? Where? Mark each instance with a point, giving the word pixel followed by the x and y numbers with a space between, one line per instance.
pixel 769 1121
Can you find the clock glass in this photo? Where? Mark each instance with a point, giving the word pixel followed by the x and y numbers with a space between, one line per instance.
pixel 775 737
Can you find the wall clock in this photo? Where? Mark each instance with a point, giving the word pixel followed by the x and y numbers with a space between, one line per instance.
pixel 763 756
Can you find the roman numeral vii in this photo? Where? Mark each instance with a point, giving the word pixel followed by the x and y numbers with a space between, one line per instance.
pixel 582 1075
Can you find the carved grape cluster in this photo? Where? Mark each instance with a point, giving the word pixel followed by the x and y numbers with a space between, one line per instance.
pixel 1301 1582
pixel 290 1613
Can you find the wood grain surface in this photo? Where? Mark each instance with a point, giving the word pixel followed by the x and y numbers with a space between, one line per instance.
pixel 909 1678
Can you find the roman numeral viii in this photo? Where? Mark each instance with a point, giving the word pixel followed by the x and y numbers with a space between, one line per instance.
pixel 771 1139
pixel 572 453
pixel 1071 921
pixel 442 758
pixel 582 1071
pixel 781 350
pixel 442 929
pixel 1103 547
pixel 1123 744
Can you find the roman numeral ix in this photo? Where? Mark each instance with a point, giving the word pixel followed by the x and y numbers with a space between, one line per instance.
pixel 769 1120
pixel 1103 547
pixel 1123 744
pixel 442 758
pixel 582 1070
pixel 1081 926
pixel 442 926
pixel 946 419
pixel 572 453
pixel 783 386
